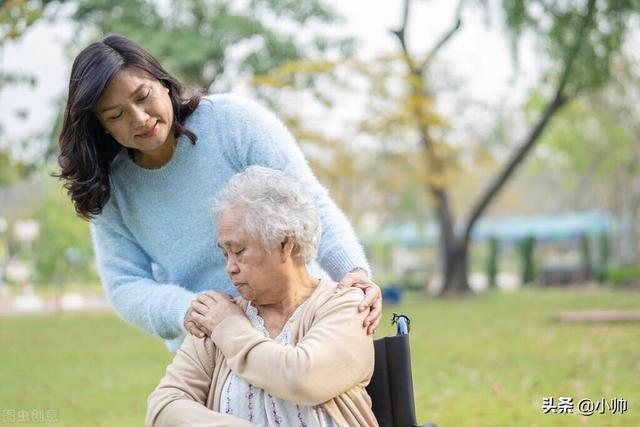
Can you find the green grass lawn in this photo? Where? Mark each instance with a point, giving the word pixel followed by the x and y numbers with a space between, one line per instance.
pixel 479 361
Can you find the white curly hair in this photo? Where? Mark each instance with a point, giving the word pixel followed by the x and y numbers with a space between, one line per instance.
pixel 275 207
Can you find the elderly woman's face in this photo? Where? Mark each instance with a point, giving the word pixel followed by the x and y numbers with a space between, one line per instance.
pixel 256 274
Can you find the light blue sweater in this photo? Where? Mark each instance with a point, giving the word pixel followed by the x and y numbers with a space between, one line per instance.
pixel 155 241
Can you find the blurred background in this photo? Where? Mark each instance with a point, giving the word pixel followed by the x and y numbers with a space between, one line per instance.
pixel 486 152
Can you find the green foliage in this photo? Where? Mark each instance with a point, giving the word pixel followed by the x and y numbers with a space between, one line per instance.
pixel 623 275
pixel 63 253
pixel 589 137
pixel 556 23
pixel 597 133
pixel 8 173
pixel 593 144
pixel 16 16
pixel 194 39
pixel 12 171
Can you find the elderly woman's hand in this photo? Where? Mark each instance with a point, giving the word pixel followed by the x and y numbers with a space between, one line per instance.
pixel 208 310
pixel 372 297
pixel 191 325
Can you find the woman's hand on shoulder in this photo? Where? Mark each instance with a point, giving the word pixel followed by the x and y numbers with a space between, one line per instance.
pixel 191 325
pixel 372 296
pixel 208 310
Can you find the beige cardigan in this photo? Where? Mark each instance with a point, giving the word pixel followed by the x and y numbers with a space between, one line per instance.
pixel 330 364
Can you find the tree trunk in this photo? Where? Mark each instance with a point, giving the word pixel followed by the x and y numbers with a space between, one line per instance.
pixel 455 269
pixel 453 249
pixel 456 248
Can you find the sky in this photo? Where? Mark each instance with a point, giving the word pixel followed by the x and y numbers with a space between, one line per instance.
pixel 478 55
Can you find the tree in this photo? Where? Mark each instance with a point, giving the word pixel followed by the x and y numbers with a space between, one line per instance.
pixel 207 41
pixel 578 40
pixel 16 17
pixel 595 145
pixel 372 173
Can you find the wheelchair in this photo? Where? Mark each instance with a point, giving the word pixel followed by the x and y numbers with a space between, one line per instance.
pixel 391 386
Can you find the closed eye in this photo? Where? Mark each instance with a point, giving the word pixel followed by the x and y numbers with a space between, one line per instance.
pixel 116 117
pixel 145 96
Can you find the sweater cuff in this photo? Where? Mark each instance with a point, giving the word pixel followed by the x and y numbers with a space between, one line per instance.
pixel 179 310
pixel 338 263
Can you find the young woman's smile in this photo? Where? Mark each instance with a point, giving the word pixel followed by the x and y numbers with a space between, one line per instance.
pixel 151 132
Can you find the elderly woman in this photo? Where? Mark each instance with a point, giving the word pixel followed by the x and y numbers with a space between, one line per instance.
pixel 290 351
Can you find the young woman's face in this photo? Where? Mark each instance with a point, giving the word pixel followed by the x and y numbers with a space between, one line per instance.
pixel 136 110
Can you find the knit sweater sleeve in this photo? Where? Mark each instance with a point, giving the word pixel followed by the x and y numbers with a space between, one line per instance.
pixel 263 140
pixel 180 398
pixel 126 274
pixel 334 356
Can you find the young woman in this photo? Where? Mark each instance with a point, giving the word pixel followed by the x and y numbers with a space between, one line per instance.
pixel 143 163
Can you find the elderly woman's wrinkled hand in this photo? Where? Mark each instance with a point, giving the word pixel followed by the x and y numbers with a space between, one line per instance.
pixel 372 297
pixel 208 310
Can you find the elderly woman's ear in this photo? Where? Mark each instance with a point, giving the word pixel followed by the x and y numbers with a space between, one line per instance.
pixel 286 248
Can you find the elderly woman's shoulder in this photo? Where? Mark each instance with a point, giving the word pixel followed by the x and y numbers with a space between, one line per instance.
pixel 327 292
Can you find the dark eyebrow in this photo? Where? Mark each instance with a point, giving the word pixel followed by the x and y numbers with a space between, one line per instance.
pixel 104 110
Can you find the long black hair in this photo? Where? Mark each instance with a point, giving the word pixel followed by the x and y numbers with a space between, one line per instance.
pixel 86 151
